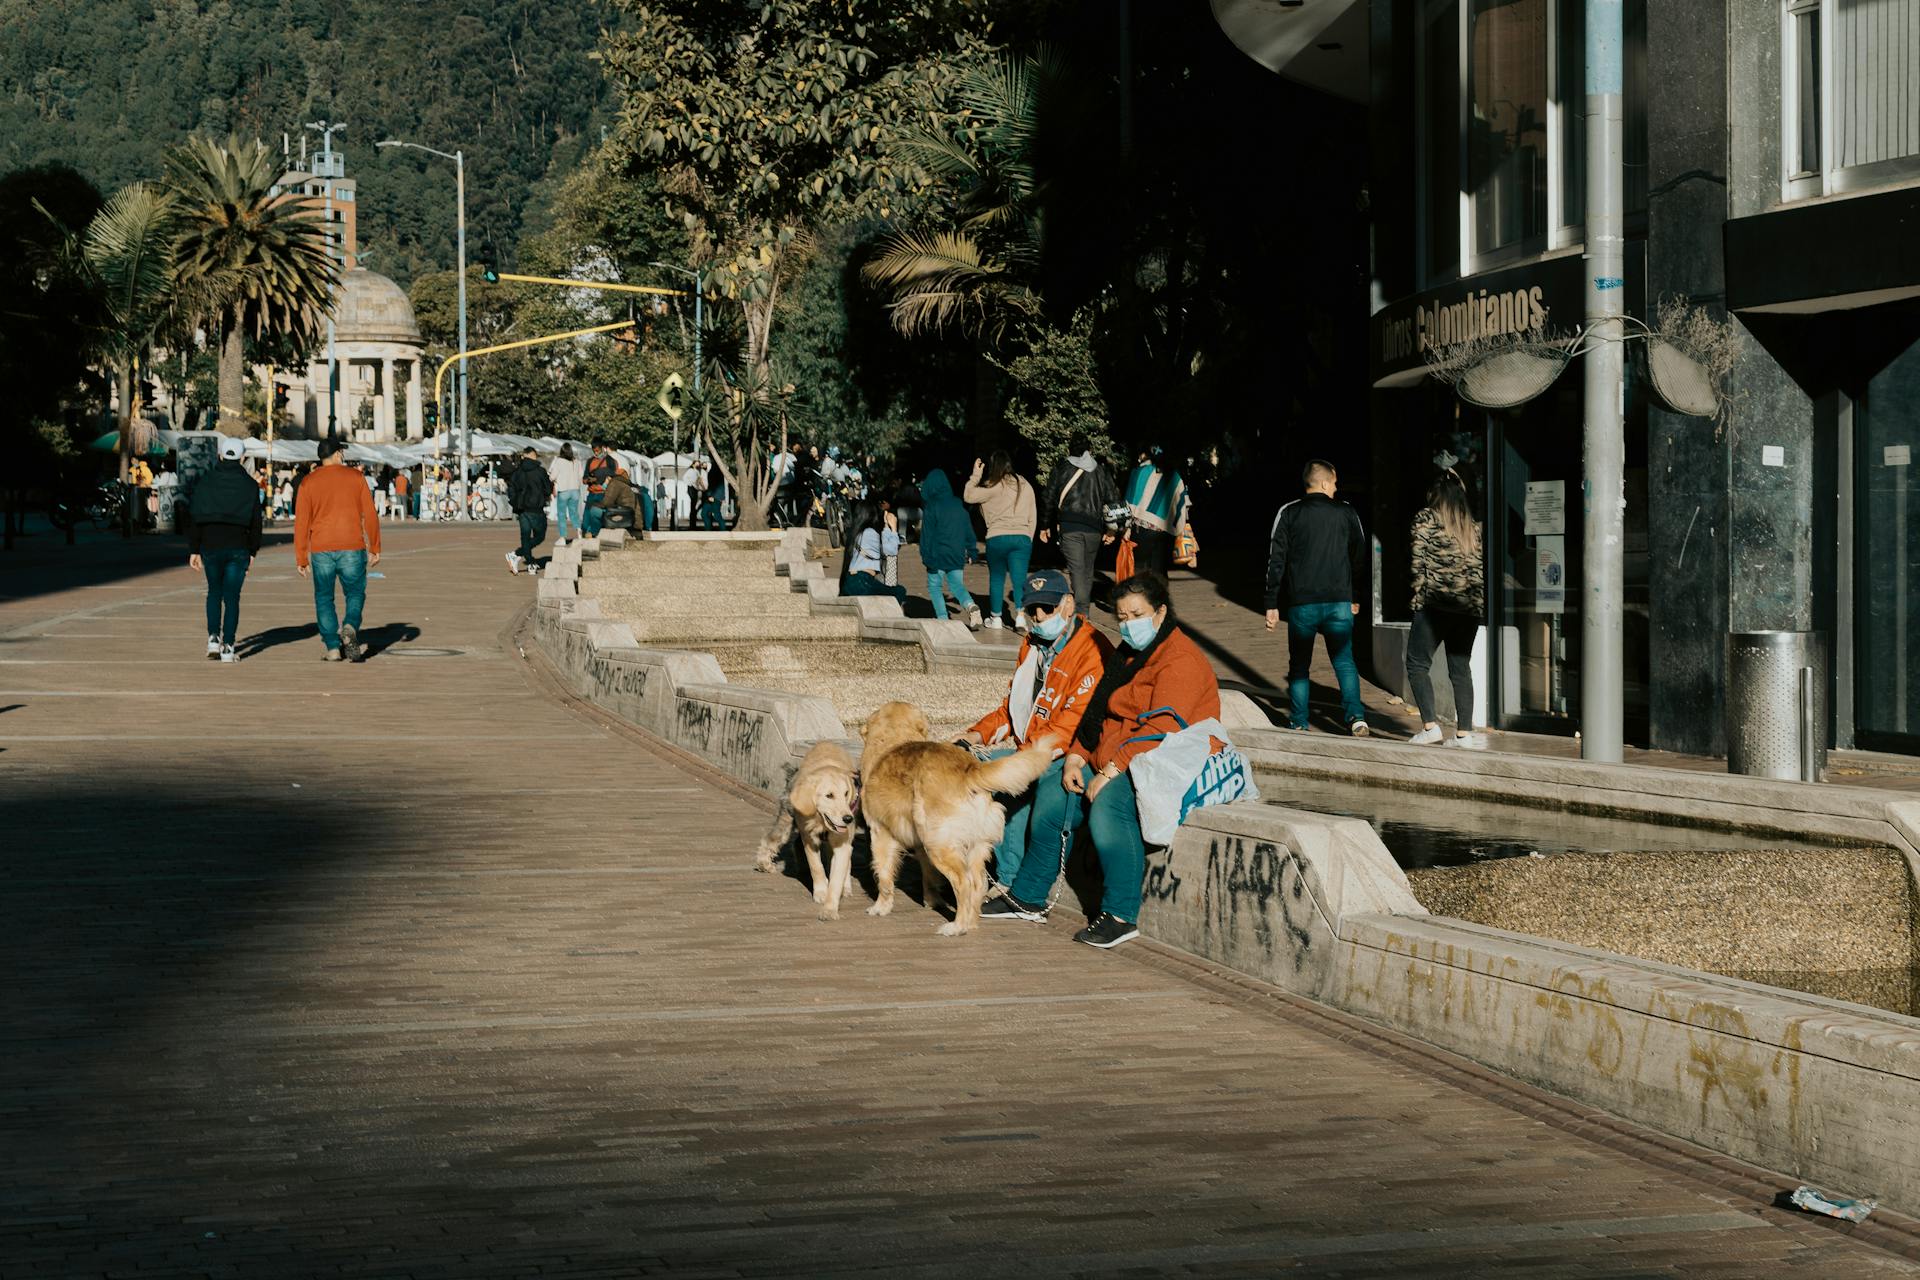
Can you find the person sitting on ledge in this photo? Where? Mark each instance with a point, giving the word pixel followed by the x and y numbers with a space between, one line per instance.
pixel 1061 660
pixel 1157 682
pixel 871 538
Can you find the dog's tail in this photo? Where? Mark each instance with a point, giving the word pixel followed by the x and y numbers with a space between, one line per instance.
pixel 1012 775
pixel 774 843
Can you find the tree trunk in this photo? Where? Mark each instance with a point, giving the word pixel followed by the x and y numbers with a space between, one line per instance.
pixel 233 379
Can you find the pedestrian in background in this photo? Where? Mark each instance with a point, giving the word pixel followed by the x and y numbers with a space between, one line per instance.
pixel 336 538
pixel 599 469
pixel 1318 552
pixel 223 537
pixel 946 544
pixel 1073 515
pixel 1449 599
pixel 713 502
pixel 568 479
pixel 527 489
pixel 1011 511
pixel 1157 511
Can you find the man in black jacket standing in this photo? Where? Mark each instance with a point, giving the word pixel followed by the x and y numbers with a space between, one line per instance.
pixel 223 537
pixel 1319 553
pixel 527 491
pixel 1074 510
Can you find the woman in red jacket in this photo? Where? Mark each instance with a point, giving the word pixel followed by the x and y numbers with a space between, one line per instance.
pixel 1154 682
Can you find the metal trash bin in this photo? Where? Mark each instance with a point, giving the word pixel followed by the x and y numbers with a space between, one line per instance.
pixel 1777 704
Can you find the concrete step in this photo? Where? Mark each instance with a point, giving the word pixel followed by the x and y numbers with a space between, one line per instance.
pixel 593 579
pixel 951 703
pixel 699 632
pixel 677 600
pixel 676 554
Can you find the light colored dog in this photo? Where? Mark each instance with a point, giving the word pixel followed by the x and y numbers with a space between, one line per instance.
pixel 937 800
pixel 822 804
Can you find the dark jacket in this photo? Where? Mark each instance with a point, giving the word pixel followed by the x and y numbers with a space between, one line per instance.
pixel 1083 507
pixel 946 530
pixel 528 486
pixel 224 514
pixel 1318 554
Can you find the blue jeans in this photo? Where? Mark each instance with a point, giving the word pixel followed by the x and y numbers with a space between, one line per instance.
pixel 592 518
pixel 226 573
pixel 1114 822
pixel 863 583
pixel 566 513
pixel 1334 620
pixel 952 580
pixel 647 514
pixel 349 569
pixel 713 512
pixel 1008 557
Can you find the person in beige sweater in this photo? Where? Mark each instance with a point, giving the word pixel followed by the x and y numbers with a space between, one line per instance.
pixel 1008 505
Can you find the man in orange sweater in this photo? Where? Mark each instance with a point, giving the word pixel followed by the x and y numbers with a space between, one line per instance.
pixel 337 535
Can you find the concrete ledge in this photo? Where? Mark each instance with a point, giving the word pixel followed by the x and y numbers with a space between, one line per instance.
pixel 769 537
pixel 1819 1089
pixel 1755 805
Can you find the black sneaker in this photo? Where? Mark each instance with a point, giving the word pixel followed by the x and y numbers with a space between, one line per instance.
pixel 350 645
pixel 1004 906
pixel 1107 931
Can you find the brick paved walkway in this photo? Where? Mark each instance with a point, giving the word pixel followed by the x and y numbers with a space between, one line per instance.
pixel 405 970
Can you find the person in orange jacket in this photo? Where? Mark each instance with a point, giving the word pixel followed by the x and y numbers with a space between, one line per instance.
pixel 1157 684
pixel 1061 661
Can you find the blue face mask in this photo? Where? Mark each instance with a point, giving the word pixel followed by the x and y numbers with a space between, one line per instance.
pixel 1138 633
pixel 1050 627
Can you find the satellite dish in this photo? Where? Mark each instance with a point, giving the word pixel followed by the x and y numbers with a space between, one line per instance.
pixel 1682 381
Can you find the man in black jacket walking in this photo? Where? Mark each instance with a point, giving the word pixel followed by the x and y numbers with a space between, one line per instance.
pixel 1319 553
pixel 527 491
pixel 1073 514
pixel 223 537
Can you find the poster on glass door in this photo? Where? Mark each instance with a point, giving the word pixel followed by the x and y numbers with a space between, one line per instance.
pixel 1550 574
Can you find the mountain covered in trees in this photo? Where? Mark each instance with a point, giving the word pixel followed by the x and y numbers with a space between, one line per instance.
pixel 106 86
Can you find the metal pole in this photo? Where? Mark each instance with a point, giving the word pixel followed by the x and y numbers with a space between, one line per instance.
pixel 1602 651
pixel 460 179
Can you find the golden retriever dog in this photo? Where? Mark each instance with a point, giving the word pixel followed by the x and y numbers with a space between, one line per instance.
pixel 890 725
pixel 822 804
pixel 937 800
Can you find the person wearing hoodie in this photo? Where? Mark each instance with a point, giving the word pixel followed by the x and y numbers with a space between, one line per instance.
pixel 527 490
pixel 1073 514
pixel 1008 506
pixel 223 537
pixel 946 544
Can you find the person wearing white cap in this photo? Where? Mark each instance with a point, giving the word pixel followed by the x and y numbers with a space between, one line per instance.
pixel 223 537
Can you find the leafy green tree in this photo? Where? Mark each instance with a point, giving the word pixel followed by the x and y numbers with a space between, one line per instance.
pixel 768 120
pixel 252 263
pixel 1055 391
pixel 975 260
pixel 49 313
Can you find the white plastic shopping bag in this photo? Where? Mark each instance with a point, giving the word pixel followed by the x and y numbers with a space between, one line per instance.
pixel 1184 773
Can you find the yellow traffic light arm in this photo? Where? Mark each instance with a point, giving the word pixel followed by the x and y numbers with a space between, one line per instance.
pixel 456 358
pixel 591 284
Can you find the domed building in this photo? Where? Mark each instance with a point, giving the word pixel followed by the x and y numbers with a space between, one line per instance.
pixel 379 352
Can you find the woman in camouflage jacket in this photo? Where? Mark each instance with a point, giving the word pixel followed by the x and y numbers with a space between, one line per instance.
pixel 1449 599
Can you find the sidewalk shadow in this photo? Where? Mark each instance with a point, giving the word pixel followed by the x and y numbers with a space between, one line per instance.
pixel 386 635
pixel 273 638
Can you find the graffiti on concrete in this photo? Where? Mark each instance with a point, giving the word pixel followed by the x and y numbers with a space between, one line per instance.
pixel 617 678
pixel 1259 886
pixel 1161 885
pixel 731 734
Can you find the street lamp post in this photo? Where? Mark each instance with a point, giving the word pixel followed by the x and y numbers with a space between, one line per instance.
pixel 326 131
pixel 699 294
pixel 459 159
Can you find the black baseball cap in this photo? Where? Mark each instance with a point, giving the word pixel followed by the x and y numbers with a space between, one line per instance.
pixel 1048 588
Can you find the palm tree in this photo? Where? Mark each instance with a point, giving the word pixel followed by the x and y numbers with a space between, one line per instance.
pixel 255 264
pixel 977 272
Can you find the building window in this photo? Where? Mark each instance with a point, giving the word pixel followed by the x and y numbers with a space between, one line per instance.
pixel 1502 129
pixel 1850 95
pixel 1507 141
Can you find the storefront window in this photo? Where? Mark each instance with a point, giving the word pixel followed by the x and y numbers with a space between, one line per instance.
pixel 1507 123
pixel 1887 573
